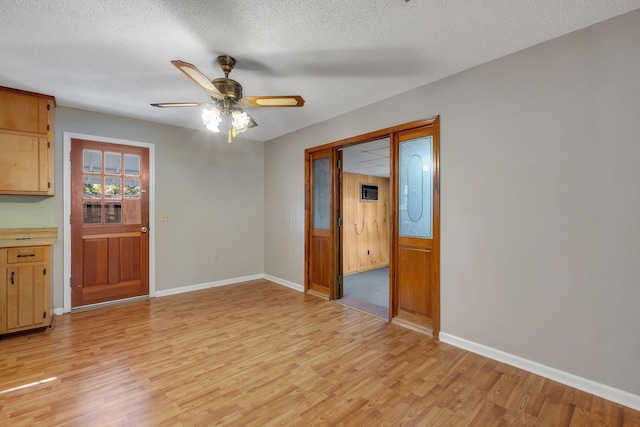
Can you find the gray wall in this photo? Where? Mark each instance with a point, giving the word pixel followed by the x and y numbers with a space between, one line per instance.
pixel 540 155
pixel 212 190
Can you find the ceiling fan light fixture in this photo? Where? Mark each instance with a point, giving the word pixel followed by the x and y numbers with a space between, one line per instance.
pixel 211 118
pixel 240 120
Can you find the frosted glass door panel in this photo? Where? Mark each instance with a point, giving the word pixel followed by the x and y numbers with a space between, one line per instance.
pixel 415 188
pixel 321 194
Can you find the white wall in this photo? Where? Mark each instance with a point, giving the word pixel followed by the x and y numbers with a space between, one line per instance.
pixel 212 190
pixel 540 155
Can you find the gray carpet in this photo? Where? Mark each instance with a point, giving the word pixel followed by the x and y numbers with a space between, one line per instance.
pixel 368 291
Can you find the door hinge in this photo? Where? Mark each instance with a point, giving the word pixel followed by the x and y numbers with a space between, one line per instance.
pixel 48 144
pixel 339 222
pixel 48 127
pixel 48 106
pixel 44 271
pixel 44 314
pixel 70 282
pixel 70 156
pixel 49 184
pixel 340 279
pixel 339 164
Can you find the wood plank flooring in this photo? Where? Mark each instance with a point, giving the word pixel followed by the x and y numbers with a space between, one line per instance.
pixel 259 354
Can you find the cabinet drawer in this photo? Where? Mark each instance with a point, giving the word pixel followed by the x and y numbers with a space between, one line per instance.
pixel 18 255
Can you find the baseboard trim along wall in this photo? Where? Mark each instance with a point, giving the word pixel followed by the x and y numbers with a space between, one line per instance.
pixel 174 291
pixel 606 392
pixel 208 285
pixel 286 283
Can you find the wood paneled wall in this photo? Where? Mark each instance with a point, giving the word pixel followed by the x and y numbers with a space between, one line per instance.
pixel 365 224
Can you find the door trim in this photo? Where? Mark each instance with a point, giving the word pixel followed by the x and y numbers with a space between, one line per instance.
pixel 66 191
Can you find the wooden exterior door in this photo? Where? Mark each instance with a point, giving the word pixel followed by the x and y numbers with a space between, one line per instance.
pixel 322 266
pixel 109 222
pixel 416 230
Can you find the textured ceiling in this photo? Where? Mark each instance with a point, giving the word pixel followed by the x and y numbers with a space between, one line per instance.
pixel 113 56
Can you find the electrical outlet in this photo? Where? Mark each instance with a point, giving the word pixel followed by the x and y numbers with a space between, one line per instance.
pixel 165 217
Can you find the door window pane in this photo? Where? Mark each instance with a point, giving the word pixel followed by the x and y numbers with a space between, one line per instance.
pixel 113 213
pixel 415 188
pixel 131 188
pixel 321 194
pixel 92 161
pixel 132 164
pixel 112 187
pixel 92 212
pixel 112 163
pixel 92 186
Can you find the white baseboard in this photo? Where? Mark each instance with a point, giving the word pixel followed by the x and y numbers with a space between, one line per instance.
pixel 606 392
pixel 208 285
pixel 174 291
pixel 286 283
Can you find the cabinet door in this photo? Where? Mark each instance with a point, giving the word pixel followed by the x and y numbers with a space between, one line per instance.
pixel 23 164
pixel 25 299
pixel 24 112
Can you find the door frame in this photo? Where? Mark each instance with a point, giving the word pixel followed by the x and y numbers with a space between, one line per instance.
pixel 367 137
pixel 66 191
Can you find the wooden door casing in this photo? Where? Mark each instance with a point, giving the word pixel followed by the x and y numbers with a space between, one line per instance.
pixel 108 261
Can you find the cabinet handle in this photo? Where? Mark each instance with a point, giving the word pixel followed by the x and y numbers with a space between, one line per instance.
pixel 25 255
pixel 13 277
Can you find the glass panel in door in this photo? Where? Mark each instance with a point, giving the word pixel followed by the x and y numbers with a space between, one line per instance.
pixel 415 188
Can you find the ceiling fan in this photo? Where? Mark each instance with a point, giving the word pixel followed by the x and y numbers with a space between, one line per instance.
pixel 227 98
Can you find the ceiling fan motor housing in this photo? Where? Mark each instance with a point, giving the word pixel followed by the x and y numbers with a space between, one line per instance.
pixel 229 88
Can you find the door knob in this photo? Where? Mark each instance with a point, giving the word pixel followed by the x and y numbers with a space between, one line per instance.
pixel 144 229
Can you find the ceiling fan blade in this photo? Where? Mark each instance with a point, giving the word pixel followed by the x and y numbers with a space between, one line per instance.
pixel 272 101
pixel 179 104
pixel 196 75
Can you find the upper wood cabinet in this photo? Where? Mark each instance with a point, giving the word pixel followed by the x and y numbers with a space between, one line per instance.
pixel 26 142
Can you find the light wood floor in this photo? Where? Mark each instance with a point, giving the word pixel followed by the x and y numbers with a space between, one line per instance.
pixel 261 354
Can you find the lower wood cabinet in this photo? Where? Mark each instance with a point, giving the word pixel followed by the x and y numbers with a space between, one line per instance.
pixel 25 284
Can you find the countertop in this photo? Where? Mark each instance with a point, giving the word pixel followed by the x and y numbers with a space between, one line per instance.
pixel 17 237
